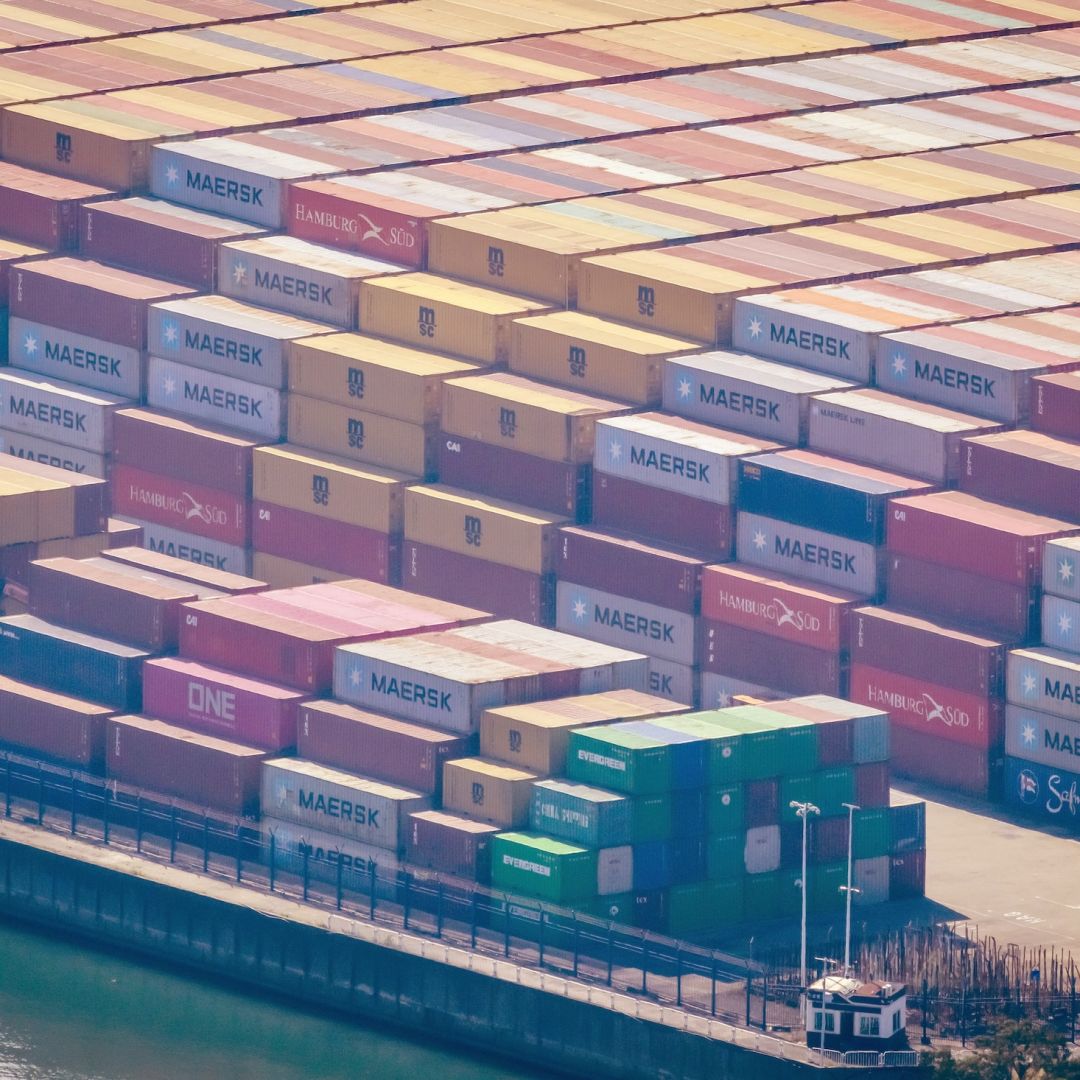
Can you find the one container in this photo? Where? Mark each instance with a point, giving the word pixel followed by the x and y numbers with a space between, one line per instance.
pixel 1046 680
pixel 188 547
pixel 62 412
pixel 1061 568
pixel 451 844
pixel 615 870
pixel 551 870
pixel 489 791
pixel 1043 738
pixel 907 827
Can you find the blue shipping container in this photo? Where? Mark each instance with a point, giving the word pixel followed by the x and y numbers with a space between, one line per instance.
pixel 1053 795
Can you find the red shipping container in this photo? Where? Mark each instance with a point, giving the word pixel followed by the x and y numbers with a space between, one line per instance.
pixel 1055 406
pixel 505 591
pixel 969 533
pixel 913 646
pixel 935 591
pixel 667 516
pixel 185 449
pixel 625 566
pixel 450 844
pixel 872 784
pixel 828 837
pixel 396 751
pixel 200 769
pixel 835 734
pixel 907 876
pixel 180 504
pixel 221 703
pixel 554 486
pixel 762 802
pixel 89 298
pixel 37 208
pixel 53 725
pixel 953 765
pixel 319 541
pixel 769 661
pixel 922 706
pixel 777 605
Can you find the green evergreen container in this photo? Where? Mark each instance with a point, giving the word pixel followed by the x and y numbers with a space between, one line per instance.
pixel 704 907
pixel 651 818
pixel 871 834
pixel 724 856
pixel 581 814
pixel 543 867
pixel 609 757
pixel 828 789
pixel 726 809
pixel 825 882
pixel 761 896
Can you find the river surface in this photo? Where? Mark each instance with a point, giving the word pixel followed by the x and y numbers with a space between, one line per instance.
pixel 71 1012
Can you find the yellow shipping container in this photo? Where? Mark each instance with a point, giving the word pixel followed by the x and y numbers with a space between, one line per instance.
pixel 596 355
pixel 34 506
pixel 330 487
pixel 362 436
pixel 437 313
pixel 469 524
pixel 515 412
pixel 281 573
pixel 488 791
pixel 392 380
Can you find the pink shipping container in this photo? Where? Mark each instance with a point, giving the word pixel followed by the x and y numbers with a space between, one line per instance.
pixel 381 747
pixel 506 591
pixel 923 706
pixel 916 647
pixel 197 768
pixel 778 606
pixel 757 658
pixel 323 542
pixel 451 844
pixel 872 784
pixel 667 516
pixel 221 703
pixel 1055 406
pixel 194 508
pixel 950 764
pixel 37 208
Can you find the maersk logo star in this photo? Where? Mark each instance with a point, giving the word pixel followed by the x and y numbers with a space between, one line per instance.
pixel 354 676
pixel 1065 570
pixel 1064 623
pixel 169 386
pixel 899 366
pixel 755 328
pixel 723 701
pixel 686 388
pixel 760 540
pixel 1029 682
pixel 580 608
pixel 29 344
pixel 239 274
pixel 170 332
pixel 615 450
pixel 172 175
pixel 1028 734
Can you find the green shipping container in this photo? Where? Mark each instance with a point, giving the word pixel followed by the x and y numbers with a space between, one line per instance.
pixel 610 757
pixel 772 744
pixel 704 907
pixel 761 896
pixel 871 833
pixel 723 743
pixel 652 818
pixel 540 866
pixel 825 882
pixel 581 814
pixel 726 809
pixel 616 909
pixel 827 789
pixel 724 856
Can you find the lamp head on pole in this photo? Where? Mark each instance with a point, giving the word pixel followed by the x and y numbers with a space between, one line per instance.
pixel 804 809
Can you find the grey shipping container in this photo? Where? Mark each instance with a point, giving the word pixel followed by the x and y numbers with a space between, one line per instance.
pixel 192 548
pixel 298 849
pixel 676 682
pixel 1061 567
pixel 31 448
pixel 1040 737
pixel 717 691
pixel 1045 680
pixel 59 411
pixel 1061 624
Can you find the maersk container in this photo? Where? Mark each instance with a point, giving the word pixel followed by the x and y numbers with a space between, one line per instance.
pixel 1040 737
pixel 1045 680
pixel 614 870
pixel 718 691
pixel 724 856
pixel 809 553
pixel 47 452
pixel 872 833
pixel 75 358
pixel 1061 623
pixel 626 623
pixel 337 802
pixel 677 683
pixel 907 827
pixel 1050 794
pixel 539 866
pixel 58 411
pixel 69 662
pixel 745 393
pixel 761 849
pixel 871 878
pixel 612 758
pixel 689 752
pixel 191 548
pixel 1061 567
pixel 582 815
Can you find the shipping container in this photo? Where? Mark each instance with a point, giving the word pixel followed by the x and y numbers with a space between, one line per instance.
pixel 872 879
pixel 451 844
pixel 1049 794
pixel 489 791
pixel 316 855
pixel 1044 679
pixel 15 559
pixel 718 691
pixel 907 827
pixel 188 547
pixel 54 454
pixel 611 757
pixel 62 412
pixel 1061 561
pixel 1056 405
pixel 907 876
pixel 582 815
pixel 1041 737
pixel 835 727
pixel 54 725
pixel 761 853
pixel 282 573
pixel 551 870
pixel 42 502
pixel 678 683
pixel 37 208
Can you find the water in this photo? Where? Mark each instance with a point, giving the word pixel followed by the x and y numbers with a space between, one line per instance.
pixel 70 1012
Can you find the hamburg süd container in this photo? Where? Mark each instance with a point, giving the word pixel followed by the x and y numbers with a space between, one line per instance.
pixel 489 791
pixel 1044 679
pixel 187 546
pixel 58 411
pixel 451 844
pixel 539 866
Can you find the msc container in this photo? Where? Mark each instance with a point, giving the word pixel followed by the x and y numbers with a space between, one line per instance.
pixel 200 769
pixel 582 815
pixel 286 573
pixel 338 802
pixel 61 412
pixel 70 662
pixel 1044 679
pixel 538 866
pixel 893 433
pixel 624 761
pixel 61 354
pixel 314 854
pixel 54 725
pixel 745 393
pixel 187 547
pixel 45 452
pixel 1061 568
pixel 451 844
pixel 381 747
pixel 822 492
pixel 1040 737
pixel 488 791
pixel 1055 405
pixel 227 337
pixel 1050 794
pixel 221 703
pixel 41 209
pixel 215 398
pixel 803 552
pixel 746 654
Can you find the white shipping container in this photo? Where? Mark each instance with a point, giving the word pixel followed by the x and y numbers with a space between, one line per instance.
pixel 1061 623
pixel 1045 680
pixel 218 399
pixel 614 870
pixel 58 411
pixel 871 878
pixel 192 548
pixel 1042 738
pixel 676 682
pixel 296 846
pixel 761 855
pixel 56 454
pixel 318 797
pixel 75 358
pixel 1061 567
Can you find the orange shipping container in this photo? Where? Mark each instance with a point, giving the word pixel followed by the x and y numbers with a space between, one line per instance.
pixel 281 573
pixel 488 791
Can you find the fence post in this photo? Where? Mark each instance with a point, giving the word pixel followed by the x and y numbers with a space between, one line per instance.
pixel 712 989
pixel 747 997
pixel 610 950
pixel 172 835
pixel 439 912
pixel 472 929
pixel 105 815
pixel 340 873
pixel 925 997
pixel 1072 999
pixel 406 899
pixel 678 976
pixel 540 937
pixel 371 912
pixel 644 966
pixel 239 855
pixel 506 942
pixel 7 785
pixel 41 795
pixel 205 841
pixel 764 1002
pixel 74 796
pixel 138 824
pixel 306 852
pixel 577 942
pixel 273 851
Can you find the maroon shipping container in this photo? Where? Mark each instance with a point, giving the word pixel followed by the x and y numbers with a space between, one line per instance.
pixel 114 605
pixel 89 298
pixel 53 725
pixel 919 705
pixel 509 474
pixel 907 875
pixel 451 844
pixel 667 516
pixel 180 504
pixel 969 533
pixel 37 208
pixel 1055 405
pixel 320 541
pixel 762 802
pixel 770 661
pixel 221 703
pixel 378 746
pixel 89 507
pixel 835 734
pixel 1009 612
pixel 189 765
pixel 626 566
pixel 505 591
pixel 872 784
pixel 828 838
pixel 922 649
pixel 791 846
pixel 1024 468
pixel 176 446
pixel 949 764
pixel 155 237
pixel 207 576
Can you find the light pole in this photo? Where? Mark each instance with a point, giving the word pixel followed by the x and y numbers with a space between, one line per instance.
pixel 803 810
pixel 849 888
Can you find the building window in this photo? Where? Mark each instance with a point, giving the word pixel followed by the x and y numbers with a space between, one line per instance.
pixel 897 1021
pixel 830 1021
pixel 869 1025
